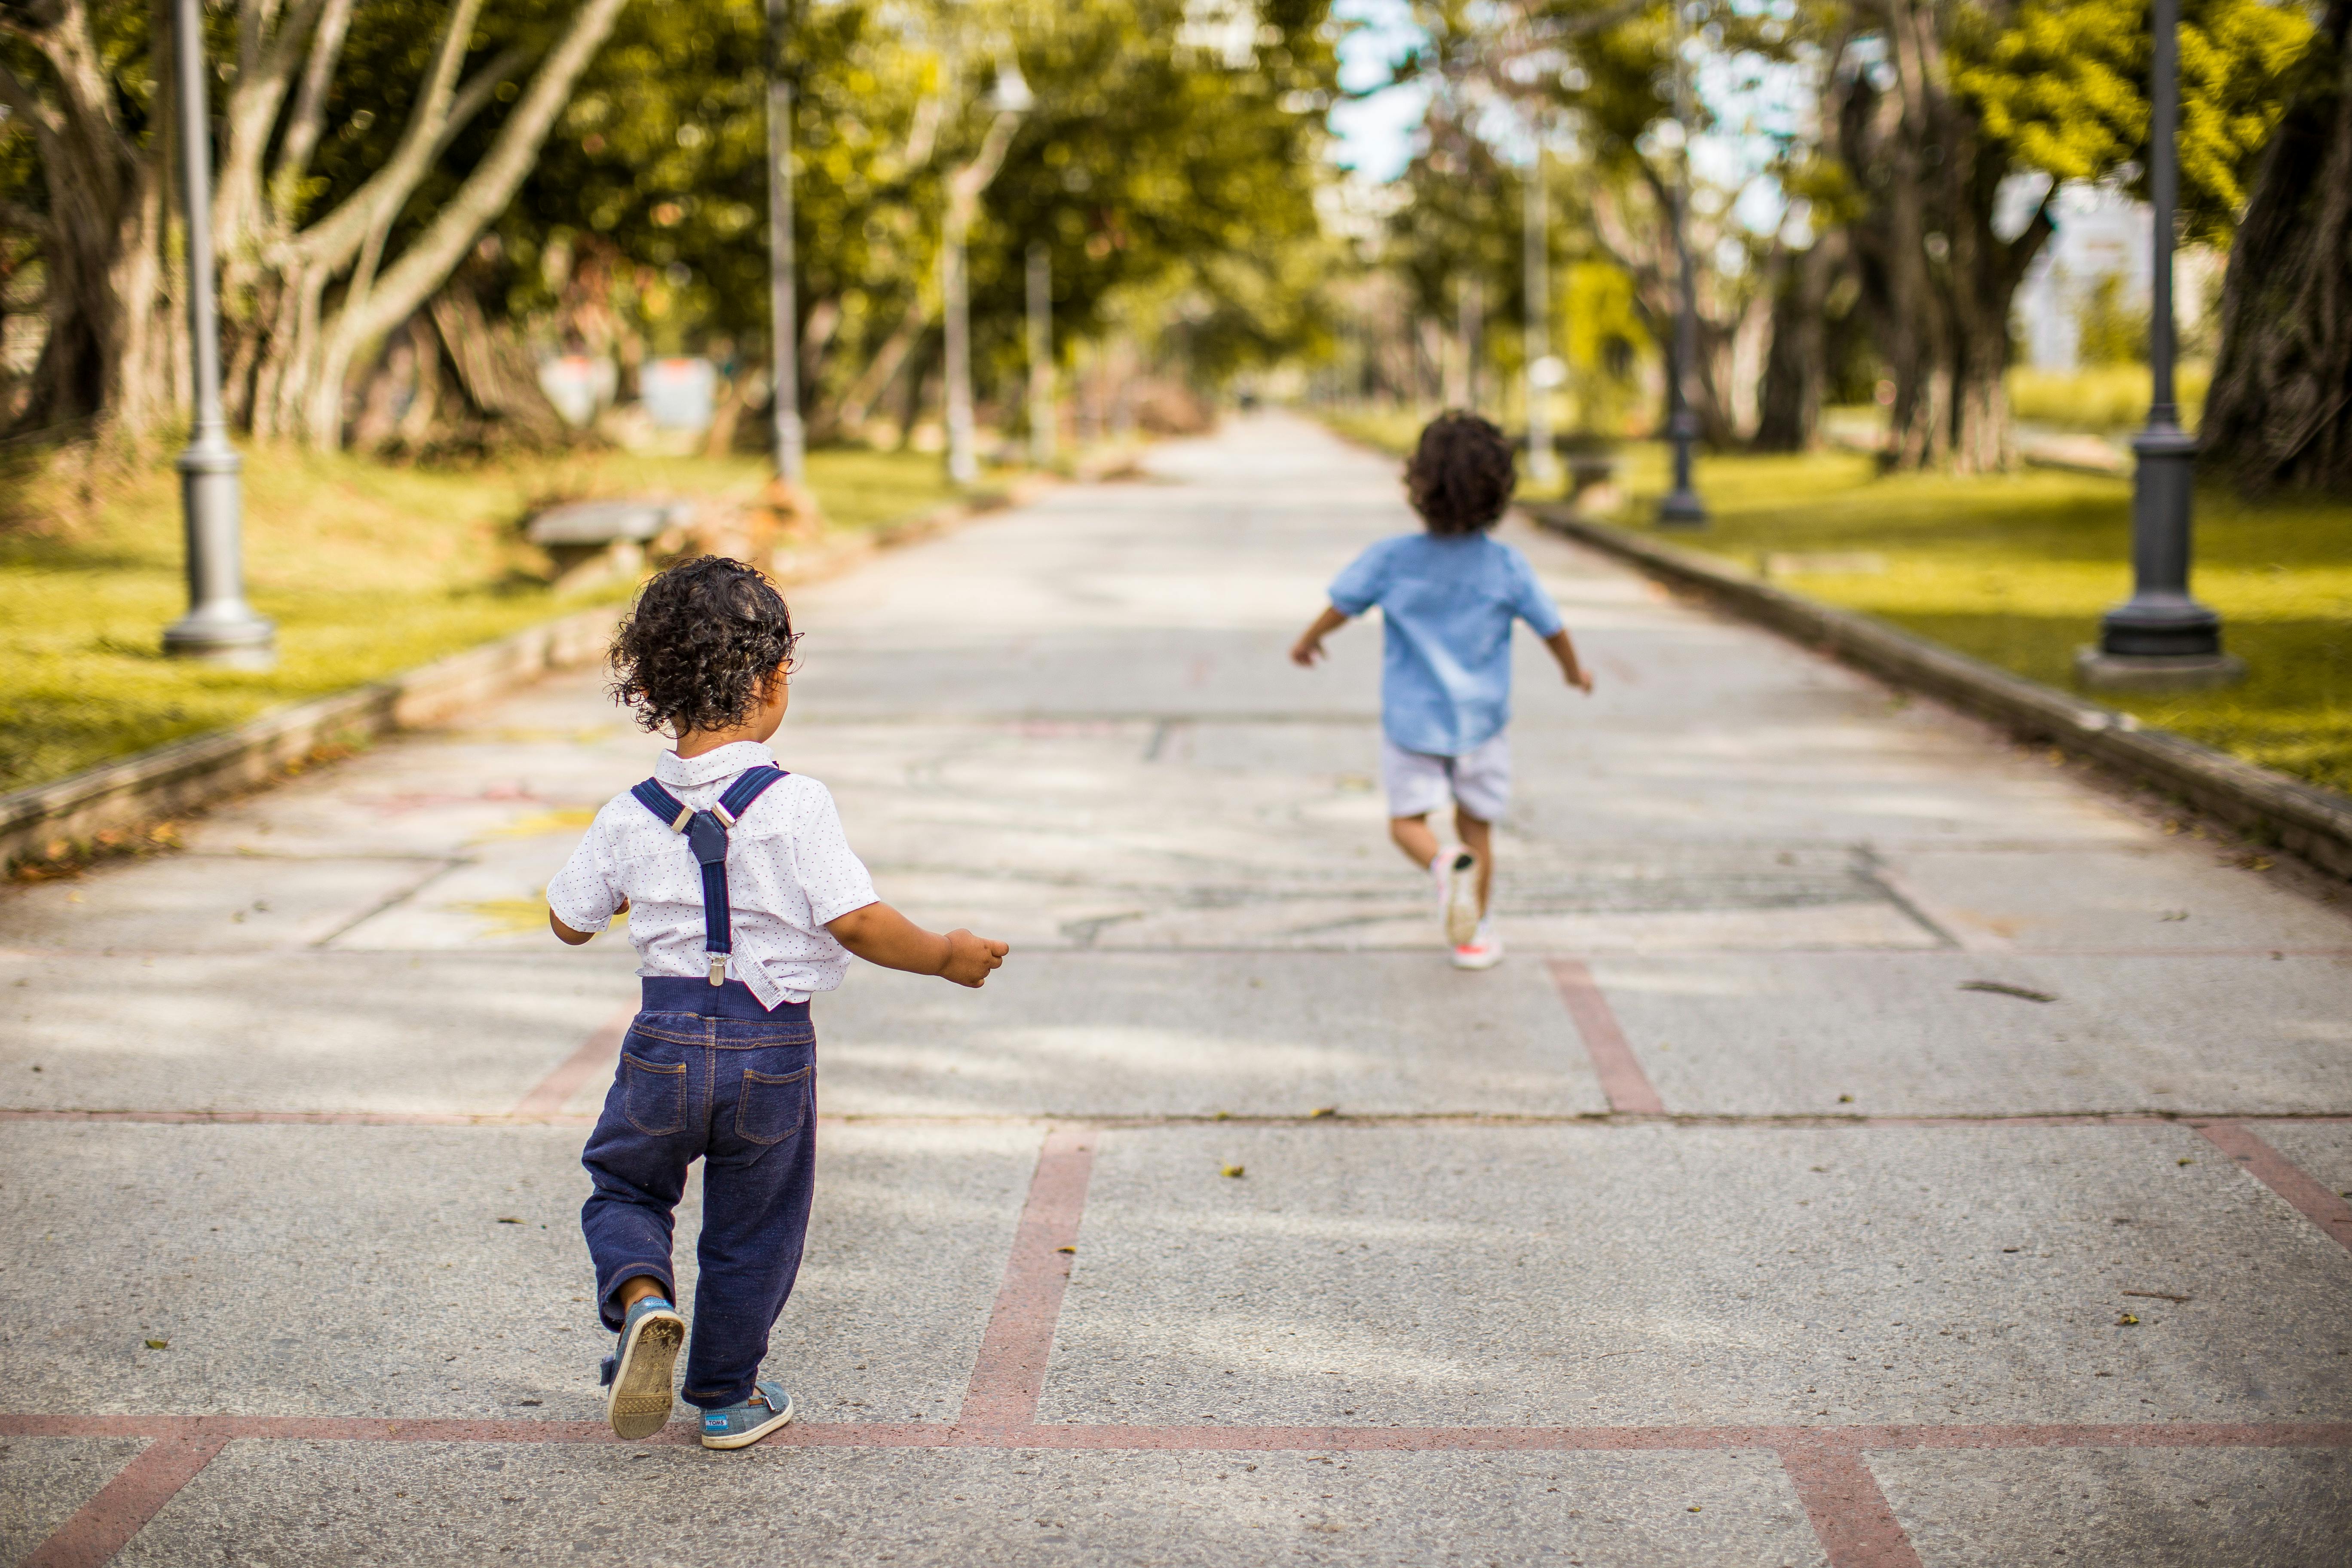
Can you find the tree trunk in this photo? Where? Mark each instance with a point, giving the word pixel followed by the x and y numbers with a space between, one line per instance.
pixel 2279 414
pixel 1797 367
pixel 1937 280
pixel 110 347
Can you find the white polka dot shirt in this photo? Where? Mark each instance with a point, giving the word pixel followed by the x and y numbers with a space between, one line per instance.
pixel 789 871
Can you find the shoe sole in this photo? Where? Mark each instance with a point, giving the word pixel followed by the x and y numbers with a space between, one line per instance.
pixel 745 1439
pixel 1462 903
pixel 1488 961
pixel 639 1405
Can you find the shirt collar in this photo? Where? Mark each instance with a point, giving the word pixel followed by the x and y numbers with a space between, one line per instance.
pixel 711 767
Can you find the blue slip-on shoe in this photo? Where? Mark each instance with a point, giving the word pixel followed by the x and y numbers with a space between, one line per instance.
pixel 740 1425
pixel 638 1375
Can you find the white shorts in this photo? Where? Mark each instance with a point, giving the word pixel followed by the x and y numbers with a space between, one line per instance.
pixel 1478 781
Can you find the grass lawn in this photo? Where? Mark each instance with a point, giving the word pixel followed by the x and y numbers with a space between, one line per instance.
pixel 367 568
pixel 2017 570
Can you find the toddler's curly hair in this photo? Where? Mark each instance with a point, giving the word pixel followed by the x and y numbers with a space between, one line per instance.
pixel 1461 474
pixel 700 645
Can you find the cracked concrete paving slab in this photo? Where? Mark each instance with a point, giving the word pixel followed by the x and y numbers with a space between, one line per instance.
pixel 2321 1148
pixel 1273 1033
pixel 44 1480
pixel 382 1034
pixel 2171 895
pixel 2152 1508
pixel 1874 1034
pixel 438 1272
pixel 300 1504
pixel 1445 1276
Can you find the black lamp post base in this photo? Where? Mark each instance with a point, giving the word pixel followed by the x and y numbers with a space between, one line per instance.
pixel 2104 671
pixel 1683 509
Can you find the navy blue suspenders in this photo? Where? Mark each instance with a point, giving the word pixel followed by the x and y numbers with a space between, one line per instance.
pixel 706 835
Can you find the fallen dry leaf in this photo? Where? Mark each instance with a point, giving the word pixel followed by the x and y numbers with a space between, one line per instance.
pixel 1232 1171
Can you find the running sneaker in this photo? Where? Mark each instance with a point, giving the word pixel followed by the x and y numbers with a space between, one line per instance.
pixel 1483 951
pixel 1459 892
pixel 740 1425
pixel 637 1374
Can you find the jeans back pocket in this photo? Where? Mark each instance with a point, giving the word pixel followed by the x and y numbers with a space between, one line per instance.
pixel 770 1106
pixel 653 1095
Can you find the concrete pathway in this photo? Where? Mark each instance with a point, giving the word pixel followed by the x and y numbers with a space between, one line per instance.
pixel 1731 1222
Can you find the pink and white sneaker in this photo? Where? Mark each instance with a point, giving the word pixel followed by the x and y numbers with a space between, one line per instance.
pixel 1457 896
pixel 1483 951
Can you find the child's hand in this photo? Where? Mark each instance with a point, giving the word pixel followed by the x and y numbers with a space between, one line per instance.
pixel 972 958
pixel 1309 647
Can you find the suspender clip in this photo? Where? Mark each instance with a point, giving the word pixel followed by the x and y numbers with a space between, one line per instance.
pixel 718 969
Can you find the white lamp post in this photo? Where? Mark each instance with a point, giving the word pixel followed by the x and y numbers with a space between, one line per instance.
pixel 220 627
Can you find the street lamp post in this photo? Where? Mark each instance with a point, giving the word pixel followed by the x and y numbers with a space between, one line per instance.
pixel 783 299
pixel 1040 282
pixel 1543 370
pixel 2161 638
pixel 220 627
pixel 1010 98
pixel 1682 508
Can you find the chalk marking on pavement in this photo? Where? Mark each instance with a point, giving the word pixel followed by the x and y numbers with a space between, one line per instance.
pixel 105 1524
pixel 2312 1200
pixel 1009 1374
pixel 1613 1062
pixel 598 1051
pixel 1849 1513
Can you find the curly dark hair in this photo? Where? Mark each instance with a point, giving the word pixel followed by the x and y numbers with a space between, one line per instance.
pixel 1461 474
pixel 700 646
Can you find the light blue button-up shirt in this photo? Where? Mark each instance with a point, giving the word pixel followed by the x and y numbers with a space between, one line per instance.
pixel 1447 603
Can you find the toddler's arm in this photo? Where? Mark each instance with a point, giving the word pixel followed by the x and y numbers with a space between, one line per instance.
pixel 1565 651
pixel 1310 642
pixel 570 938
pixel 880 934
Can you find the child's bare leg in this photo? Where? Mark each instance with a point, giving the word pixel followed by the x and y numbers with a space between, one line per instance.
pixel 1413 834
pixel 636 1289
pixel 1477 836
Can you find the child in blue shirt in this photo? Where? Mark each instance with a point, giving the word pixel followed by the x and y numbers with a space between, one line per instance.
pixel 1448 597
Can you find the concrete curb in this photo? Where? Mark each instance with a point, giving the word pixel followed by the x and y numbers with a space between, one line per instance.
pixel 2313 823
pixel 188 774
pixel 154 785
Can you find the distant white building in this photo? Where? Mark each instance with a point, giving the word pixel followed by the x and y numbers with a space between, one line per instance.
pixel 2102 234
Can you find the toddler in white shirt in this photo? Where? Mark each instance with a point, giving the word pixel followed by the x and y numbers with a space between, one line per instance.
pixel 743 898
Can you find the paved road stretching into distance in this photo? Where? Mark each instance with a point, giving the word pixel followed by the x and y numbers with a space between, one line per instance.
pixel 1725 1224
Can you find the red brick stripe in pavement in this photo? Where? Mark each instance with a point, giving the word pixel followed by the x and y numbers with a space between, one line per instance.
pixel 596 1056
pixel 1613 1061
pixel 106 1523
pixel 1849 1513
pixel 2312 1200
pixel 1009 1373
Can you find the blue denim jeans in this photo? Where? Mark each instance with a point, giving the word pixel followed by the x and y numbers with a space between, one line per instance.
pixel 706 1073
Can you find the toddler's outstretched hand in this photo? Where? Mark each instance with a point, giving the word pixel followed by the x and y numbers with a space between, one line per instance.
pixel 971 958
pixel 1309 646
